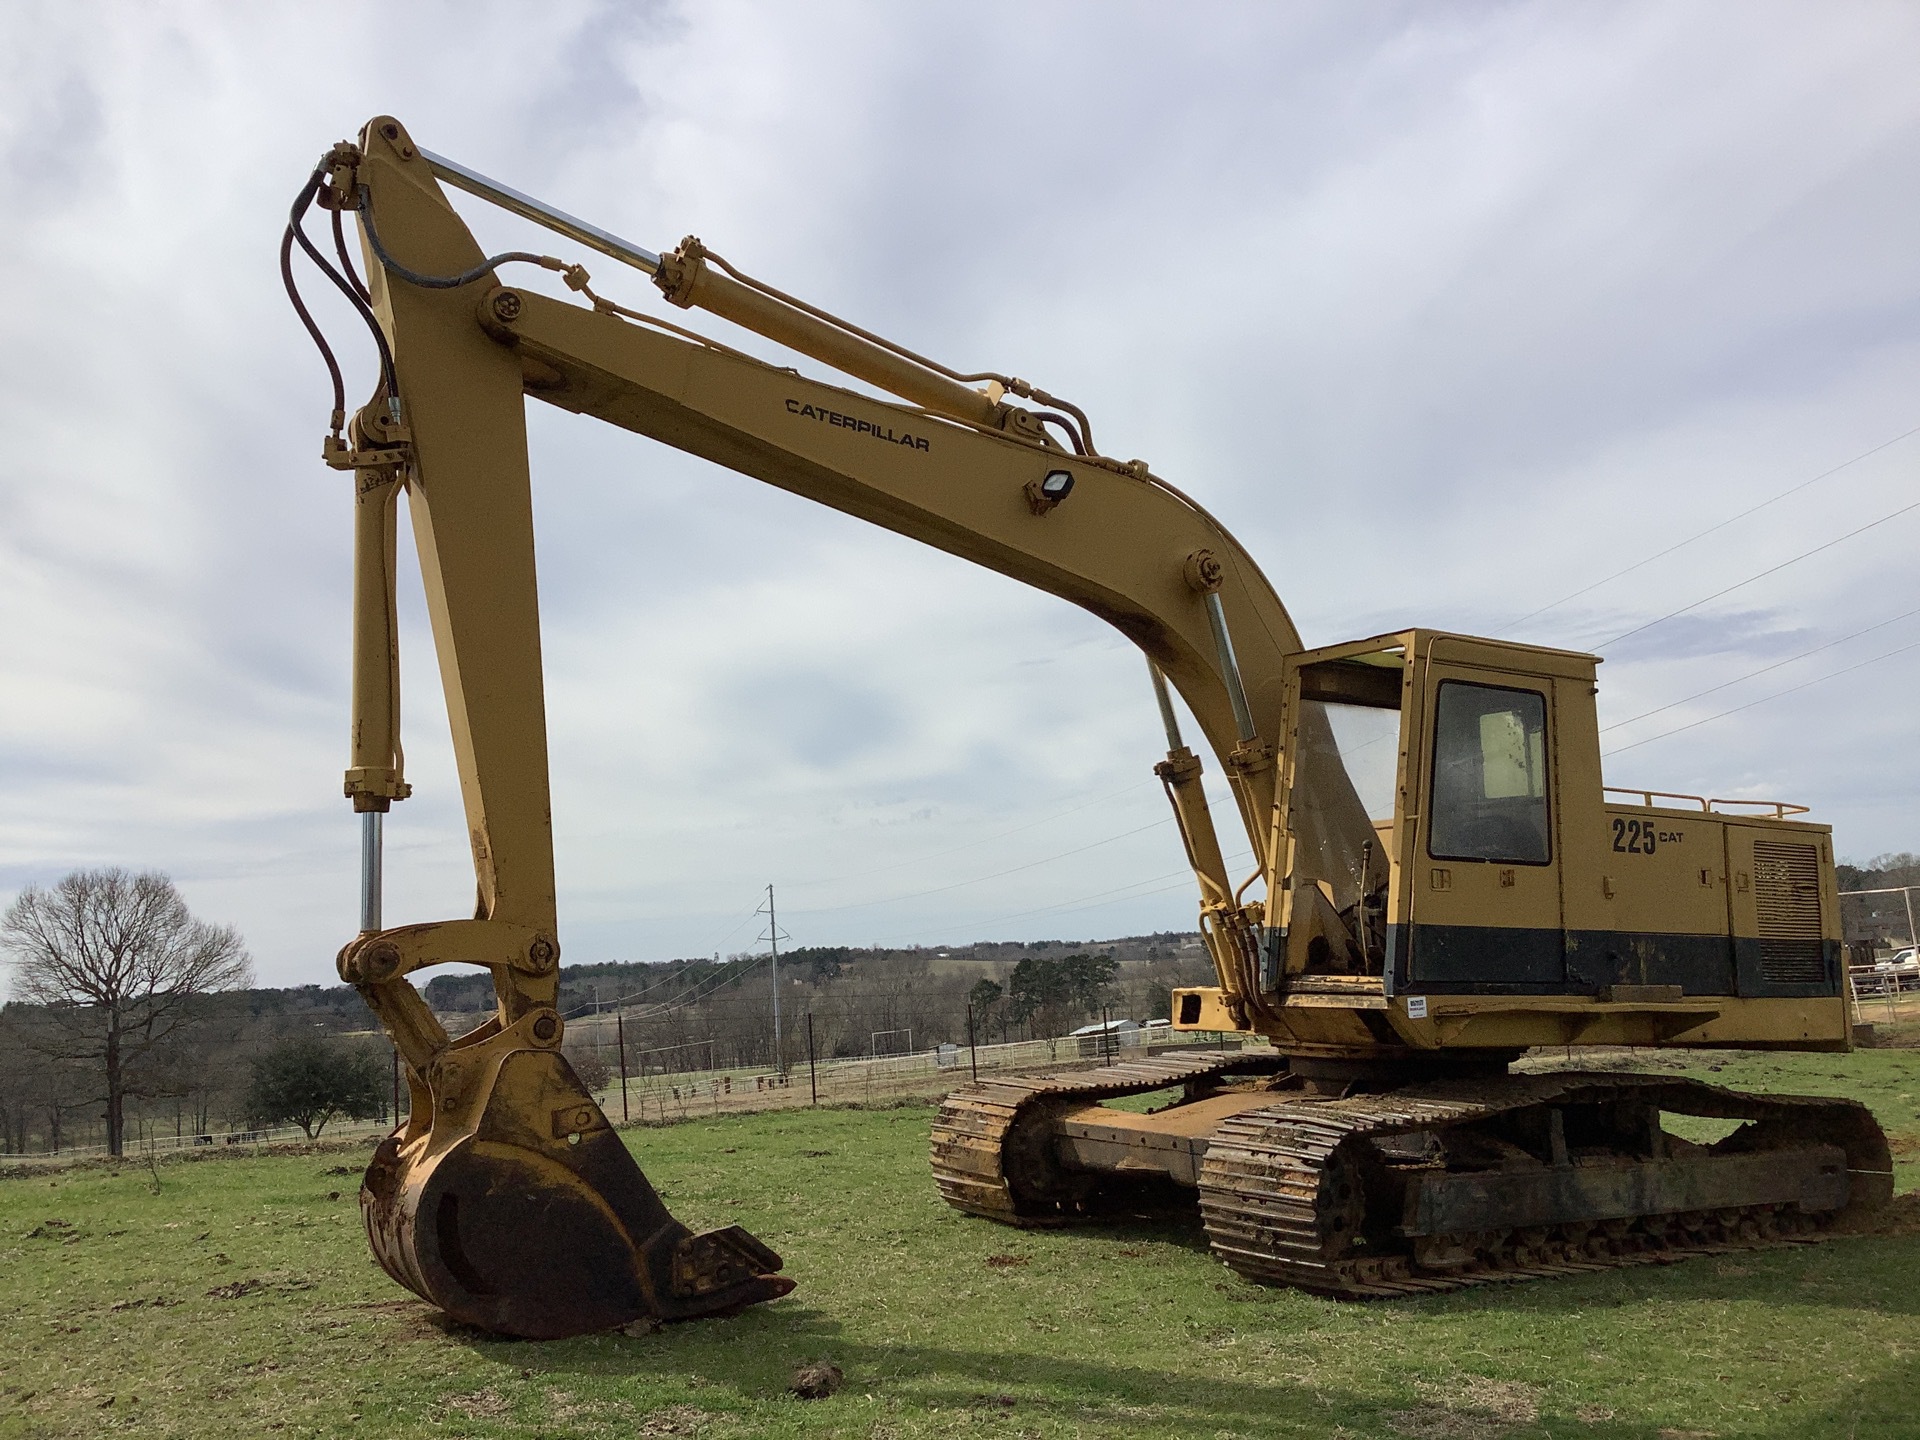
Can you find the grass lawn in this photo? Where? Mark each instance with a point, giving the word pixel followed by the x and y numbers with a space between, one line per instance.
pixel 943 1325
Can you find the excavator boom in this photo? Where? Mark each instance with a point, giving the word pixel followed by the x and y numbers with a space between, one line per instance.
pixel 507 1198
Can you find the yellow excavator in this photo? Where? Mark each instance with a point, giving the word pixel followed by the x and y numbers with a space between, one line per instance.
pixel 1441 881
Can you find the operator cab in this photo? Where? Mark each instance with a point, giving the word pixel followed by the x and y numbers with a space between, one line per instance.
pixel 1449 834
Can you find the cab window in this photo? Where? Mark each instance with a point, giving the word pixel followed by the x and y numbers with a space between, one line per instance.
pixel 1489 775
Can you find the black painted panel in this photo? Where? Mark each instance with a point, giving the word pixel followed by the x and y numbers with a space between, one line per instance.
pixel 1698 964
pixel 1519 959
pixel 1484 960
pixel 1753 982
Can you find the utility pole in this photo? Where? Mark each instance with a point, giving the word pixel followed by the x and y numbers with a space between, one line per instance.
pixel 772 937
pixel 813 1078
pixel 620 1030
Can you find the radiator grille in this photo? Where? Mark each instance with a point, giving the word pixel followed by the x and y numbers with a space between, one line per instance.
pixel 1786 891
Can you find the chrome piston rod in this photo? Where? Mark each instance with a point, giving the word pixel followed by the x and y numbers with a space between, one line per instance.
pixel 528 208
pixel 370 866
pixel 1230 666
pixel 1167 716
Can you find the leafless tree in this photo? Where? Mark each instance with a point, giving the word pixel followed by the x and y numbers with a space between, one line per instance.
pixel 115 962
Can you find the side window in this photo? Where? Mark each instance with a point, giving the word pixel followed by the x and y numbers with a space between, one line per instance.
pixel 1489 775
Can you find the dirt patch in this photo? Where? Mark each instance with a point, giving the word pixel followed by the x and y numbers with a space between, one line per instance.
pixel 417 1320
pixel 816 1381
pixel 1006 1262
pixel 1900 1035
pixel 1900 1216
pixel 280 1282
pixel 487 1404
pixel 674 1420
pixel 1469 1407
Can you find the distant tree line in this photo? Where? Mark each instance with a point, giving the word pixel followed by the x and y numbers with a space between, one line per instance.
pixel 1880 921
pixel 130 1020
pixel 875 1002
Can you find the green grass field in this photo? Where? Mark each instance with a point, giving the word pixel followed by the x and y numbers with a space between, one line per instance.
pixel 235 1298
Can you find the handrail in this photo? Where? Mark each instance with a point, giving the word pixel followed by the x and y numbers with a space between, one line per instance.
pixel 1648 795
pixel 1780 808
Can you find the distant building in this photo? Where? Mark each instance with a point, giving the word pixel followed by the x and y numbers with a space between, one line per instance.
pixel 1106 1037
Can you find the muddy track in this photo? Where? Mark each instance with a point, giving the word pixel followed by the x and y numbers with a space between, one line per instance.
pixel 1277 1186
pixel 978 1135
pixel 1286 1190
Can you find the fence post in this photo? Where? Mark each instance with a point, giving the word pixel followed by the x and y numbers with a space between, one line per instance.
pixel 620 1030
pixel 973 1055
pixel 813 1080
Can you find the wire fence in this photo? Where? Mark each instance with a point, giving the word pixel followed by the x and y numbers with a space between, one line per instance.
pixel 658 1098
pixel 209 1142
pixel 1884 994
pixel 926 1074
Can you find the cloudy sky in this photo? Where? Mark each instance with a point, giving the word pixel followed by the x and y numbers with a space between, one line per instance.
pixel 1545 321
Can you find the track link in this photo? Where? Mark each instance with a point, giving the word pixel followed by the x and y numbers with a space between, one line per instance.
pixel 1291 1193
pixel 990 1139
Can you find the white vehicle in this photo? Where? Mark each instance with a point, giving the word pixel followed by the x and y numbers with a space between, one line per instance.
pixel 1899 971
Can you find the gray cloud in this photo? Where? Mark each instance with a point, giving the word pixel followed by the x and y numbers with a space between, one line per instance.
pixel 1448 311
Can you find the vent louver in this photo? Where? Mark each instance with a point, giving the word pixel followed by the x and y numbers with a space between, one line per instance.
pixel 1786 891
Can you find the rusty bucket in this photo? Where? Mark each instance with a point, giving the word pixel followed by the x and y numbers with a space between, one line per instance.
pixel 513 1206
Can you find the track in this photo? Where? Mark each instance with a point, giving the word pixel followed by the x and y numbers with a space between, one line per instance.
pixel 1443 1184
pixel 992 1127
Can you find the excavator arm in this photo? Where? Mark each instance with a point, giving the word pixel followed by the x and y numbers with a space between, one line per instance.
pixel 506 1198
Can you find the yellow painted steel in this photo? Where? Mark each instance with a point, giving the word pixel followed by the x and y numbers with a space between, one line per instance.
pixel 1296 945
pixel 1125 545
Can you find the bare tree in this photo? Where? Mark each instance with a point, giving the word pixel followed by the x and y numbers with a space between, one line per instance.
pixel 115 962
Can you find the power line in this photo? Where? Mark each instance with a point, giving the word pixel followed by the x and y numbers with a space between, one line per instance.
pixel 1770 570
pixel 983 840
pixel 1182 877
pixel 735 931
pixel 1701 535
pixel 1081 902
pixel 711 982
pixel 981 879
pixel 1831 675
pixel 1755 674
pixel 708 984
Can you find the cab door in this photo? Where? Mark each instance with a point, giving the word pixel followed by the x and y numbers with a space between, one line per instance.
pixel 1484 903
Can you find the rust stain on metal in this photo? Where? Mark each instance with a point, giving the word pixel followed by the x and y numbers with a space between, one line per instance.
pixel 1432 1185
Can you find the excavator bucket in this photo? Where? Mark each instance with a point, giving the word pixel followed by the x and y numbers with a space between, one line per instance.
pixel 532 1220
